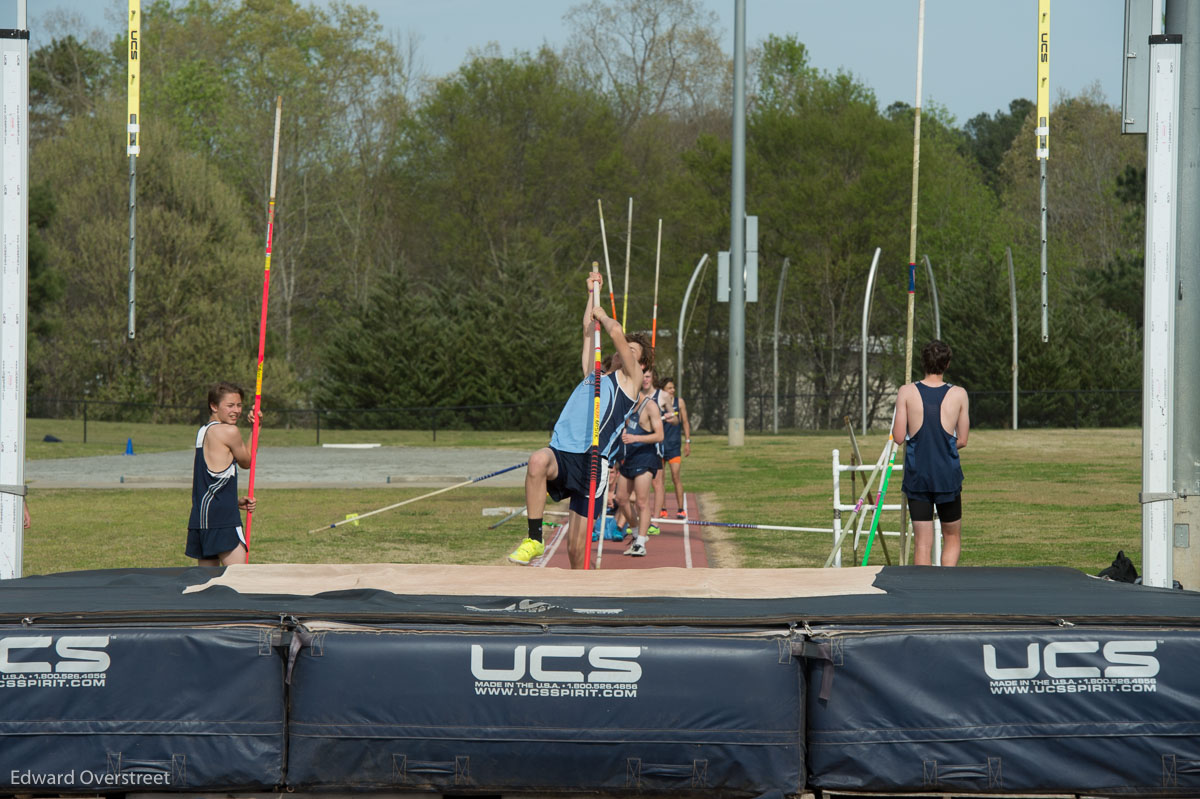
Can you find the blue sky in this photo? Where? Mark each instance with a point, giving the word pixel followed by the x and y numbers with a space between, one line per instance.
pixel 979 54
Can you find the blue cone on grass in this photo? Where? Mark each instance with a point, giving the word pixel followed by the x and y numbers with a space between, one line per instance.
pixel 129 446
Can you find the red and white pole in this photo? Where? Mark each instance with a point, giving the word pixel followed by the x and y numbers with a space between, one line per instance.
pixel 262 325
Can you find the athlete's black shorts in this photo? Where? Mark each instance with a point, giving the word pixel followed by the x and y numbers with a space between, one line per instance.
pixel 574 481
pixel 210 542
pixel 921 510
pixel 640 463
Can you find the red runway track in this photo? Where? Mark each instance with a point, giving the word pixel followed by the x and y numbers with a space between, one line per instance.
pixel 671 547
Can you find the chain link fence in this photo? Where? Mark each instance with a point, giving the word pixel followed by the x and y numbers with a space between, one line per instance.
pixel 1046 408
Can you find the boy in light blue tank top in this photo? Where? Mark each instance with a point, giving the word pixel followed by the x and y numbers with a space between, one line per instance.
pixel 563 469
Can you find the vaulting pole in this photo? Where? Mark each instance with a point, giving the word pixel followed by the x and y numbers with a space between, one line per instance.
pixel 657 259
pixel 612 299
pixel 1012 296
pixel 262 324
pixel 628 248
pixel 361 516
pixel 916 171
pixel 912 263
pixel 594 479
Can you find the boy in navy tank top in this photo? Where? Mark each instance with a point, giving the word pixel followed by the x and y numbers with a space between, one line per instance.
pixel 640 461
pixel 932 419
pixel 215 536
pixel 563 469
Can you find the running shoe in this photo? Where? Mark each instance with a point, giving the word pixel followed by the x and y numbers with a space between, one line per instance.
pixel 527 551
pixel 631 547
pixel 680 515
pixel 662 514
pixel 637 550
pixel 652 530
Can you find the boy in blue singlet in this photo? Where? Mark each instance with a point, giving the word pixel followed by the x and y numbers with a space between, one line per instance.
pixel 563 469
pixel 215 536
pixel 932 418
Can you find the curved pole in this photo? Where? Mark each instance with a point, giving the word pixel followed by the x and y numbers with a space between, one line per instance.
pixel 866 318
pixel 682 322
pixel 937 311
pixel 778 306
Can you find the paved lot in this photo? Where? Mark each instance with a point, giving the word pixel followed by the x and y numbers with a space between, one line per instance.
pixel 281 467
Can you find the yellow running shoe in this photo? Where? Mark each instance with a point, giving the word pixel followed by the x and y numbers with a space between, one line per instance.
pixel 652 530
pixel 527 551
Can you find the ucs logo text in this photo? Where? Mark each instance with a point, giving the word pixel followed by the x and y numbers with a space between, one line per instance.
pixel 1122 659
pixel 77 654
pixel 609 664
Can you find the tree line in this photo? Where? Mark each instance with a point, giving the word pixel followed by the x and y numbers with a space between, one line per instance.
pixel 433 232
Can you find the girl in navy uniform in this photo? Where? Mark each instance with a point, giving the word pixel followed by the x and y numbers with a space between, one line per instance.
pixel 215 536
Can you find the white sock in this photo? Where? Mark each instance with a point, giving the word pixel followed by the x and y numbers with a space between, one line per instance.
pixel 641 539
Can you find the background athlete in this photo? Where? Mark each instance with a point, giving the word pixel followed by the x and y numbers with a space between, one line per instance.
pixel 676 444
pixel 932 418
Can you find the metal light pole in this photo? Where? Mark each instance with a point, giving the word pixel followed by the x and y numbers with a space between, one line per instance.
pixel 737 245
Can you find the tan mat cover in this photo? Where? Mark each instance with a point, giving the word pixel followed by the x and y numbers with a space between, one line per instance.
pixel 432 579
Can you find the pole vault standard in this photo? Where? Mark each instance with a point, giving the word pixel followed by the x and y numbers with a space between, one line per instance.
pixel 607 268
pixel 657 259
pixel 262 324
pixel 362 516
pixel 1012 296
pixel 628 248
pixel 594 478
pixel 1043 140
pixel 133 148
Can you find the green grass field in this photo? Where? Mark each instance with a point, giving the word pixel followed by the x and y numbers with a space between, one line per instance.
pixel 1037 497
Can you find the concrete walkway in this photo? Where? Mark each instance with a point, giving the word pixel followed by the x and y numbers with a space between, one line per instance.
pixel 289 467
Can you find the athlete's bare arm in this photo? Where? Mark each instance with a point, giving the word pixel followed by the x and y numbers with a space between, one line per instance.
pixel 900 421
pixel 630 375
pixel 962 426
pixel 589 327
pixel 226 446
pixel 687 428
pixel 650 418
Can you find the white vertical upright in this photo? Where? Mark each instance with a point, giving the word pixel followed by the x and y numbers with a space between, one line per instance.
pixel 14 214
pixel 1162 159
